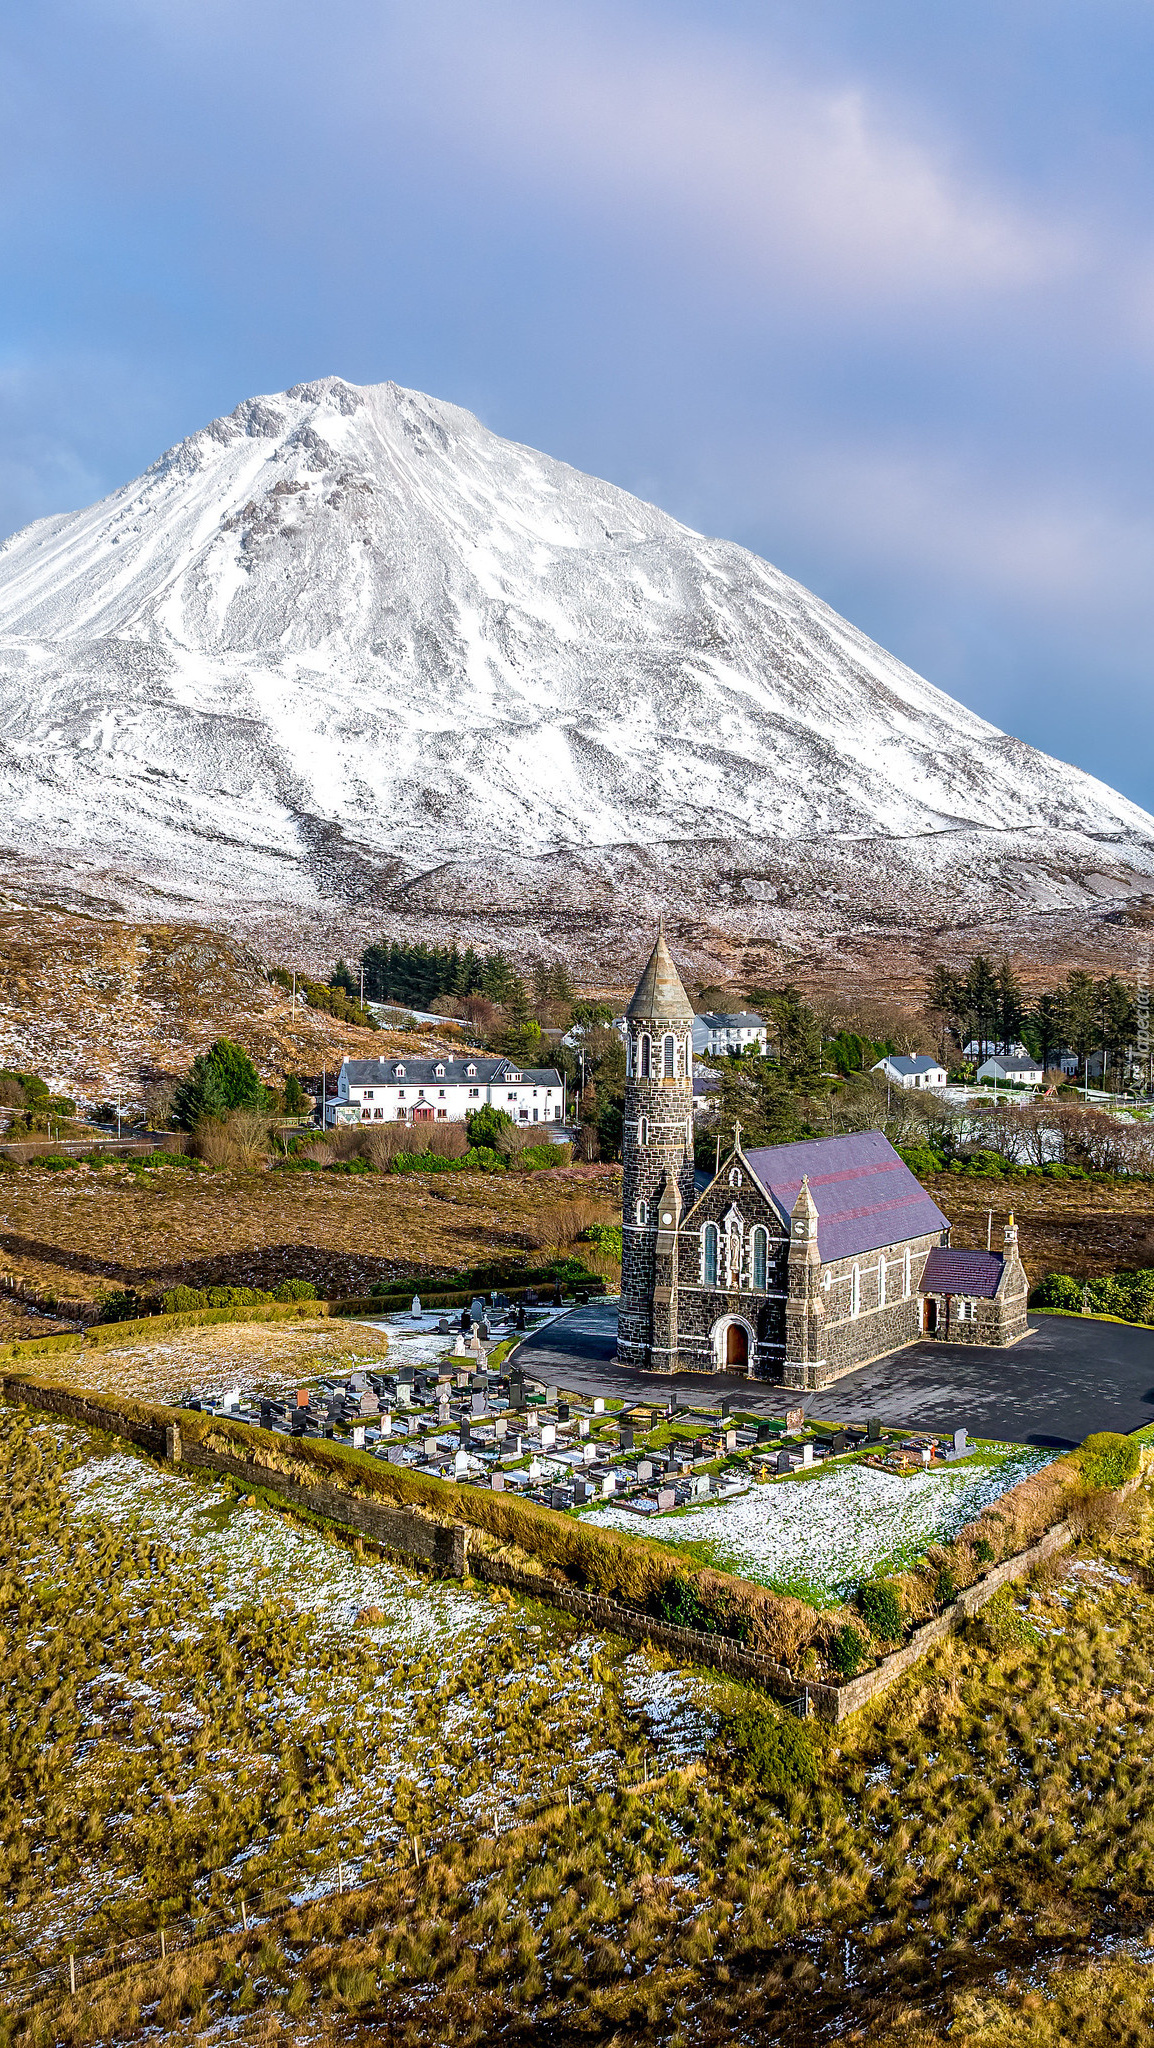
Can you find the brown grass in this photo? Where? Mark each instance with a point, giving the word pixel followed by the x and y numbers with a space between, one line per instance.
pixel 95 1230
pixel 1063 1227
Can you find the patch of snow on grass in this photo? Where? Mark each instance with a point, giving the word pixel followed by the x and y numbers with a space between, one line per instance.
pixel 822 1537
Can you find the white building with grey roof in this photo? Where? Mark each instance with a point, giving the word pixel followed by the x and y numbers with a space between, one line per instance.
pixel 444 1089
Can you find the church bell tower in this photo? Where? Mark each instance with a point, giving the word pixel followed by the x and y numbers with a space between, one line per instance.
pixel 657 1152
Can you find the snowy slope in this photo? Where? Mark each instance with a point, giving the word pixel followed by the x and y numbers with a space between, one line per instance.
pixel 347 636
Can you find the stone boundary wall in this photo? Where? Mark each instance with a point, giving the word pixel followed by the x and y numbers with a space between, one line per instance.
pixel 65 1308
pixel 444 1547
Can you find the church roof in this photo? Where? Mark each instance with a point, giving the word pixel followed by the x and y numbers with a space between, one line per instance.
pixel 951 1270
pixel 866 1197
pixel 659 993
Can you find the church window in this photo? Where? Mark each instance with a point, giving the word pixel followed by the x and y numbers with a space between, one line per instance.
pixel 760 1245
pixel 642 1214
pixel 855 1292
pixel 709 1255
pixel 735 1177
pixel 669 1057
pixel 646 1056
pixel 643 1131
pixel 882 1281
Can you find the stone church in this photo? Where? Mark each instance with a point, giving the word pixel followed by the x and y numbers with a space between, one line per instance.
pixel 792 1263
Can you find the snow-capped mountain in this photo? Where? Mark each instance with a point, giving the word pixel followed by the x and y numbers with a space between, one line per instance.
pixel 347 647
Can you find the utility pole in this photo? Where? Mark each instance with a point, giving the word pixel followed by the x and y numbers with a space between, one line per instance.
pixel 294 995
pixel 1144 1016
pixel 362 984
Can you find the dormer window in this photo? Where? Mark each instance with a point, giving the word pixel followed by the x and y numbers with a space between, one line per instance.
pixel 438 1071
pixel 514 1077
pixel 399 1073
pixel 470 1069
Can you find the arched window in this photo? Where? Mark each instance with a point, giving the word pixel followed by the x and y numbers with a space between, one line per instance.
pixel 882 1280
pixel 646 1056
pixel 760 1247
pixel 709 1255
pixel 669 1056
pixel 642 1214
pixel 855 1292
pixel 643 1131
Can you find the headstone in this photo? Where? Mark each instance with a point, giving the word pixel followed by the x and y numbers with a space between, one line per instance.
pixel 583 1425
pixel 514 1446
pixel 460 1461
pixel 475 1343
pixel 730 1439
pixel 404 1393
pixel 416 1310
pixel 926 1454
pixel 459 1346
pixel 609 1483
pixel 764 1432
pixel 582 1491
pixel 598 1406
pixel 534 1468
pixel 550 1397
pixel 443 1327
pixel 557 1301
pixel 497 1482
pixel 562 1411
pixel 874 1429
pixel 466 1322
pixel 589 1453
pixel 784 1463
pixel 548 1435
pixel 625 1437
pixel 462 1380
pixel 795 1418
pixel 807 1454
pixel 516 1391
pixel 726 1407
pixel 644 1469
pixel 961 1443
pixel 666 1498
pixel 476 1308
pixel 385 1423
pixel 521 1323
pixel 531 1295
pixel 839 1441
pixel 499 1427
pixel 359 1437
pixel 483 1331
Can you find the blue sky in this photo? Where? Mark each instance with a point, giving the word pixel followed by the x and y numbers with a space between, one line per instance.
pixel 867 287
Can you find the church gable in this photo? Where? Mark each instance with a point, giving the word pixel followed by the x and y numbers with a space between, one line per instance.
pixel 735 1181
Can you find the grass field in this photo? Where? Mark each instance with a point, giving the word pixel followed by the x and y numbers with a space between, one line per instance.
pixel 92 1230
pixel 207 1701
pixel 1074 1227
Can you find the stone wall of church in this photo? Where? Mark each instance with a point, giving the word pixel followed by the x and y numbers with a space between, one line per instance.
pixel 883 1322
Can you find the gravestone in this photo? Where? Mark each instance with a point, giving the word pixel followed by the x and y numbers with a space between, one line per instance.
pixel 666 1498
pixel 807 1454
pixel 795 1418
pixel 531 1295
pixel 516 1391
pixel 729 1439
pixel 961 1443
pixel 483 1331
pixel 548 1435
pixel 582 1491
pixel 874 1429
pixel 625 1436
pixel 550 1397
pixel 416 1309
pixel 839 1441
pixel 477 1404
pixel 644 1469
pixel 443 1327
pixel 589 1453
pixel 476 1308
pixel 926 1454
pixel 726 1407
pixel 404 1393
pixel 385 1422
pixel 582 1425
pixel 562 1411
pixel 459 1346
pixel 466 1322
pixel 359 1437
pixel 497 1482
pixel 557 1301
pixel 598 1406
pixel 784 1463
pixel 764 1432
pixel 521 1323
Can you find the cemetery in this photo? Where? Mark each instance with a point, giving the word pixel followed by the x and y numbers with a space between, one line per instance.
pixel 804 1508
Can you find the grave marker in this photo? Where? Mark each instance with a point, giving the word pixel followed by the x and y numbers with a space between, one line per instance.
pixel 784 1463
pixel 874 1429
pixel 795 1418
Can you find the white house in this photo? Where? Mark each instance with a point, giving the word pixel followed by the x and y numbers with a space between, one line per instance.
pixel 720 1031
pixel 911 1070
pixel 1027 1071
pixel 986 1048
pixel 404 1090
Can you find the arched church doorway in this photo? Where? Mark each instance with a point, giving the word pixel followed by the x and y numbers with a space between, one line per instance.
pixel 737 1346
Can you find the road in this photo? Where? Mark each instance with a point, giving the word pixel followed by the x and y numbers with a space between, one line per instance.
pixel 1070 1376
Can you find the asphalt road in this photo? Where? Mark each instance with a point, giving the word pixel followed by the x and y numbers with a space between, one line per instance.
pixel 1068 1377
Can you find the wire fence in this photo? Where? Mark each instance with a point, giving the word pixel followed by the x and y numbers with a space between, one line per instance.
pixel 259 1907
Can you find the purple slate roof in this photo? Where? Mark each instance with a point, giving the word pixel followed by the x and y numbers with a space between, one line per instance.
pixel 864 1194
pixel 950 1271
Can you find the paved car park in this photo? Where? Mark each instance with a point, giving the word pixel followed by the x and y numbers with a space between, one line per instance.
pixel 1070 1376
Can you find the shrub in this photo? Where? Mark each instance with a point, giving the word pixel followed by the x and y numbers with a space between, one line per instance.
pixel 775 1750
pixel 879 1604
pixel 605 1235
pixel 122 1307
pixel 1058 1291
pixel 178 1299
pixel 55 1161
pixel 1004 1626
pixel 677 1603
pixel 1107 1461
pixel 984 1551
pixel 945 1587
pixel 491 1128
pixel 541 1158
pixel 922 1160
pixel 847 1650
pixel 218 1080
pixel 295 1290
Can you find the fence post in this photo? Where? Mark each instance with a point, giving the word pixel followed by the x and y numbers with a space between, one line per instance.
pixel 340 1875
pixel 243 1917
pixel 163 1946
pixel 72 1975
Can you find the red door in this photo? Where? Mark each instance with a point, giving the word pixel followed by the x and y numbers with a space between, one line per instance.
pixel 423 1113
pixel 737 1345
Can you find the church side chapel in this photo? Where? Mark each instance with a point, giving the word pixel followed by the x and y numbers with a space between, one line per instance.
pixel 793 1263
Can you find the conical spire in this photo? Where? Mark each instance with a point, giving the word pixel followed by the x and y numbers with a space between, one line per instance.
pixel 659 994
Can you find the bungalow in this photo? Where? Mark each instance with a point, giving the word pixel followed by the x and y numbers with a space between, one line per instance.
pixel 1026 1072
pixel 911 1070
pixel 448 1088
